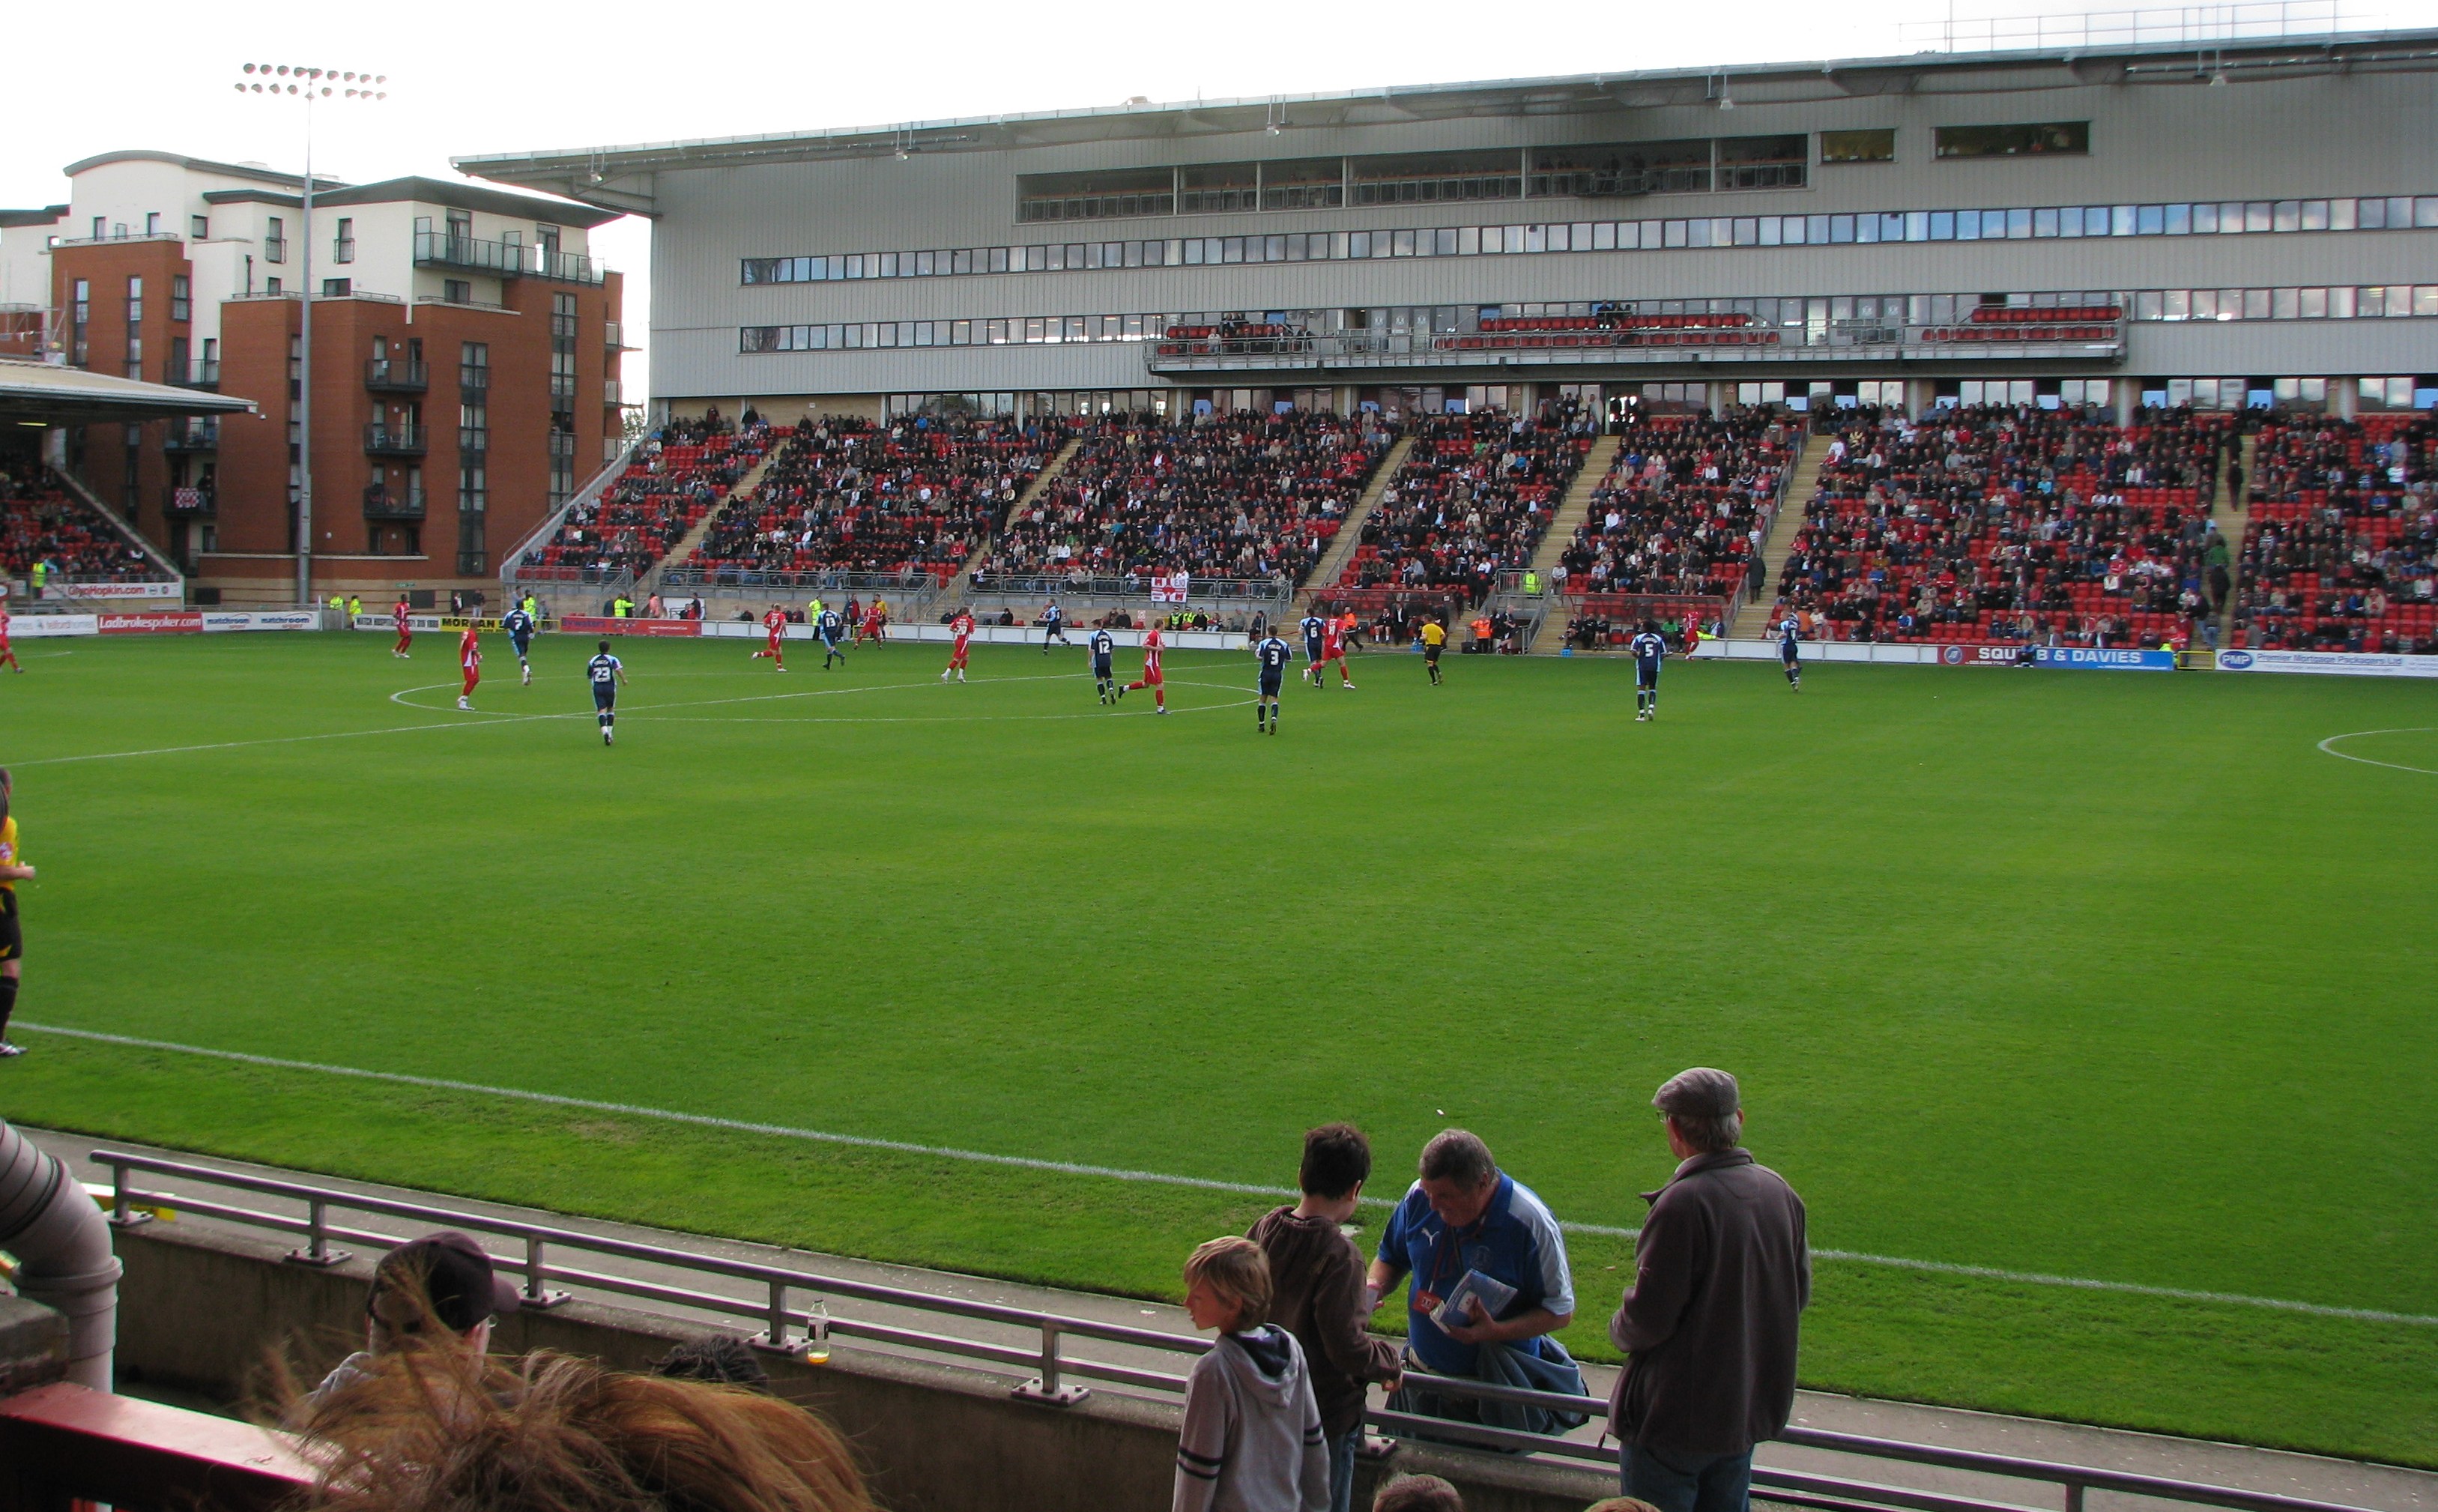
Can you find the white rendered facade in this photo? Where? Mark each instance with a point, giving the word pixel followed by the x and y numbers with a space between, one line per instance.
pixel 831 265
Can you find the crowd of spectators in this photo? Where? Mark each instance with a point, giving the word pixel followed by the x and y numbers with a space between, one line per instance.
pixel 2342 549
pixel 917 495
pixel 1473 498
pixel 42 524
pixel 676 476
pixel 1685 509
pixel 1239 495
pixel 2011 524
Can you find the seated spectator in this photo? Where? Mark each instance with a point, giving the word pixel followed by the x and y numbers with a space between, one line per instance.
pixel 720 1357
pixel 1463 1216
pixel 1417 1493
pixel 444 1429
pixel 439 1287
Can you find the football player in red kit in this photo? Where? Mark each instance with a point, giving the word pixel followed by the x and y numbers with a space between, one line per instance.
pixel 8 653
pixel 962 629
pixel 469 655
pixel 776 623
pixel 1332 648
pixel 1152 646
pixel 405 631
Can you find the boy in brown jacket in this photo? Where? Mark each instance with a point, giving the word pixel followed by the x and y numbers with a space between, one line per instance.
pixel 1317 1293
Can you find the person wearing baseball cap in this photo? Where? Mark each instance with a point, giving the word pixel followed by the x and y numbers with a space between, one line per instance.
pixel 435 1289
pixel 1722 1273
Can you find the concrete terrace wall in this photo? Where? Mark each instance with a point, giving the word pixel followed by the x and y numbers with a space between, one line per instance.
pixel 206 1312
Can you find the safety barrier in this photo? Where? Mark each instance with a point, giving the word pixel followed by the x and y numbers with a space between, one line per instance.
pixel 769 1296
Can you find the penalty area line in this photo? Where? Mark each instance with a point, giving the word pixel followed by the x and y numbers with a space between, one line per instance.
pixel 1069 1168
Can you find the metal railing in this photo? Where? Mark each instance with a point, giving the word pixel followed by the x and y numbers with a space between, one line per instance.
pixel 382 504
pixel 192 433
pixel 692 578
pixel 769 1296
pixel 196 373
pixel 396 440
pixel 1250 592
pixel 397 375
pixel 510 259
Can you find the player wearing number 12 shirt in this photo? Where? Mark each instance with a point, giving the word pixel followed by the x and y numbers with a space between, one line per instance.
pixel 1152 645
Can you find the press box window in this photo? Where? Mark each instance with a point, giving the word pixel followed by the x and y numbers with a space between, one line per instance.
pixel 1876 144
pixel 2039 139
pixel 1095 196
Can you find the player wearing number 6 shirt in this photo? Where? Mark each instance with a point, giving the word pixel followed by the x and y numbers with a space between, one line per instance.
pixel 405 631
pixel 604 672
pixel 1311 626
pixel 469 655
pixel 1650 649
pixel 1272 655
pixel 520 626
pixel 776 623
pixel 961 627
pixel 1105 654
pixel 1152 645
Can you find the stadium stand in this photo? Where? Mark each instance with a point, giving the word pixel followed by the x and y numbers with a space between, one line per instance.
pixel 1685 507
pixel 1472 499
pixel 846 494
pixel 2342 544
pixel 1236 495
pixel 2010 524
pixel 40 521
pixel 684 469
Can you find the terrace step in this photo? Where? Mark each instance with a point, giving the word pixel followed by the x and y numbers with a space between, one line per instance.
pixel 2234 517
pixel 959 585
pixel 1573 509
pixel 1752 619
pixel 1350 530
pixel 683 550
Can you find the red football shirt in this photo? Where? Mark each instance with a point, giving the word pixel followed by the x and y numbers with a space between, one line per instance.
pixel 775 622
pixel 1332 640
pixel 1151 648
pixel 470 650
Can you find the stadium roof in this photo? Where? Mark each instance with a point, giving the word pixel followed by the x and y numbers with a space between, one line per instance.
pixel 46 394
pixel 616 177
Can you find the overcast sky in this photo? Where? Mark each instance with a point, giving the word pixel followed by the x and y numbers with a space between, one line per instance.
pixel 466 79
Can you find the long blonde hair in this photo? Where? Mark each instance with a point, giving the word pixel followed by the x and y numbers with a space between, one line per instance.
pixel 435 1427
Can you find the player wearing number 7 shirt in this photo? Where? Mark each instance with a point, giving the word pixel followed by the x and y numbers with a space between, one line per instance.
pixel 776 623
pixel 1152 645
pixel 962 629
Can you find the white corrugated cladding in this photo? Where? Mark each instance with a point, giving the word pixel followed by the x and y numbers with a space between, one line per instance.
pixel 2310 137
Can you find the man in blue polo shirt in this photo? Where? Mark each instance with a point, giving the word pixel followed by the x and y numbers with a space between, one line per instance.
pixel 1465 1215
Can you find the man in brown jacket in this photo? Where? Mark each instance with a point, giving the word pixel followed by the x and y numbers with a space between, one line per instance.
pixel 1317 1292
pixel 1721 1275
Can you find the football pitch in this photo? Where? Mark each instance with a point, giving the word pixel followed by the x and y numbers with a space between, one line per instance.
pixel 2091 1013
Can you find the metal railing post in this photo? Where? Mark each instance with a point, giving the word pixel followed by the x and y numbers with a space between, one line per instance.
pixel 1045 1387
pixel 121 1215
pixel 774 1335
pixel 317 1251
pixel 537 1297
pixel 2073 1496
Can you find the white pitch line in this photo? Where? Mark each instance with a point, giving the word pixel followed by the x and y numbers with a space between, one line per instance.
pixel 2329 747
pixel 1068 1168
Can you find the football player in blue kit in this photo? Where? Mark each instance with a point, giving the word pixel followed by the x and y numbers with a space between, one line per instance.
pixel 1272 655
pixel 1650 648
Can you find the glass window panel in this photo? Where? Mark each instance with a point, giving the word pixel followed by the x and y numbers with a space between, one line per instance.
pixel 1771 230
pixel 2257 215
pixel 2281 303
pixel 2425 299
pixel 1942 226
pixel 1604 235
pixel 1868 145
pixel 1443 241
pixel 2204 219
pixel 2036 139
pixel 2315 214
pixel 2045 222
pixel 2019 225
pixel 2425 212
pixel 1402 245
pixel 1816 230
pixel 2179 304
pixel 2255 304
pixel 1967 226
pixel 2341 215
pixel 2122 218
pixel 2286 215
pixel 2311 303
pixel 1746 231
pixel 1916 227
pixel 2180 220
pixel 2095 220
pixel 1697 233
pixel 1536 239
pixel 2150 220
pixel 2340 302
pixel 2147 305
pixel 1653 234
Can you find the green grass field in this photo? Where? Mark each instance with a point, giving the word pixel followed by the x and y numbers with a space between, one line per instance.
pixel 2105 976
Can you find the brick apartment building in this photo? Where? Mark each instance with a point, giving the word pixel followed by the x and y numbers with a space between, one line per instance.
pixel 465 364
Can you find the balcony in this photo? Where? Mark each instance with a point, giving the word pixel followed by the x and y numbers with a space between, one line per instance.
pixel 505 259
pixel 202 372
pixel 382 505
pixel 609 392
pixel 396 440
pixel 190 434
pixel 473 443
pixel 188 501
pixel 396 374
pixel 473 382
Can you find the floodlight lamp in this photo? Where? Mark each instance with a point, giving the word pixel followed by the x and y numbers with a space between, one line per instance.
pixel 283 70
pixel 248 68
pixel 240 88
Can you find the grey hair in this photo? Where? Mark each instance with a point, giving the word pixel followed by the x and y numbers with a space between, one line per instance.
pixel 1458 1156
pixel 1708 1134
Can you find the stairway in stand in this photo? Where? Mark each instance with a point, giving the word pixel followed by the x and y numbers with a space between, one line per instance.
pixel 1350 530
pixel 959 585
pixel 675 555
pixel 1752 618
pixel 1573 510
pixel 2234 516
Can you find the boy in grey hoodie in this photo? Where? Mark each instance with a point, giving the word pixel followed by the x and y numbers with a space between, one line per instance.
pixel 1252 1439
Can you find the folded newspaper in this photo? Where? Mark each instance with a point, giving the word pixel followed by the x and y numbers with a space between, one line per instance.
pixel 1493 1292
